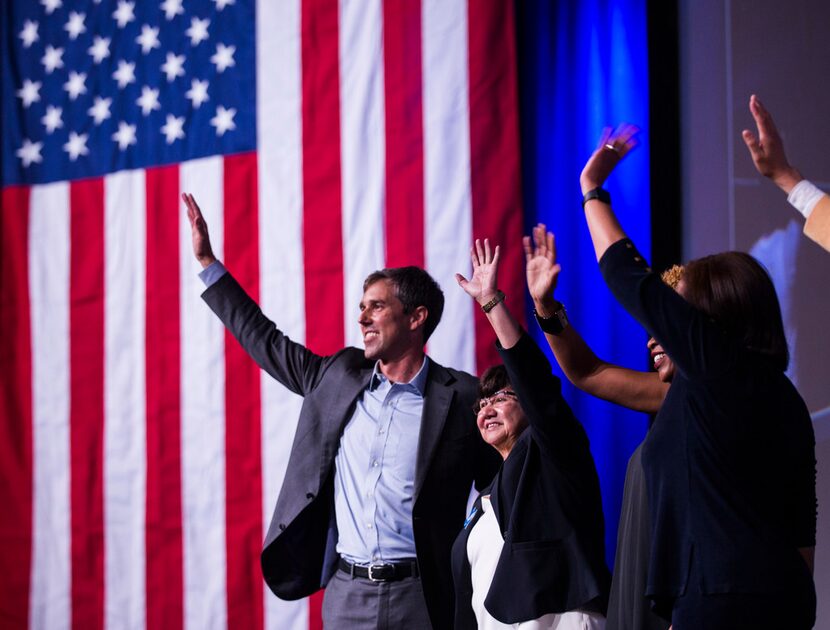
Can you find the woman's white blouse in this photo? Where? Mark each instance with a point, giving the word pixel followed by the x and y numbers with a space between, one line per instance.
pixel 483 550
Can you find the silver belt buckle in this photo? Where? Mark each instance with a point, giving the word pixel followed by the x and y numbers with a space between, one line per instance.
pixel 378 567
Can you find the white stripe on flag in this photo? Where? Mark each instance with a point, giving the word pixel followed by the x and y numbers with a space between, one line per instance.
pixel 50 605
pixel 279 162
pixel 125 455
pixel 362 151
pixel 203 414
pixel 447 197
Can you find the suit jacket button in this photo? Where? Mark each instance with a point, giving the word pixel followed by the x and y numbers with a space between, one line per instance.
pixel 282 527
pixel 309 496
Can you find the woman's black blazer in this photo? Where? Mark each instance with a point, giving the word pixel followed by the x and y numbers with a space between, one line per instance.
pixel 546 498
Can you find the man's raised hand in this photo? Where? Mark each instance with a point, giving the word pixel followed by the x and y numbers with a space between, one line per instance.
pixel 199 232
pixel 767 149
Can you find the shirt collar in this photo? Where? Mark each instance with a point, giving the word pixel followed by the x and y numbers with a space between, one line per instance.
pixel 418 382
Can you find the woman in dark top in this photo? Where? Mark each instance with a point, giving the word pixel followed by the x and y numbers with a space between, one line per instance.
pixel 730 460
pixel 532 551
pixel 628 607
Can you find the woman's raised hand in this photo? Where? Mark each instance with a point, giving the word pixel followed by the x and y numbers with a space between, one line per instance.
pixel 612 147
pixel 483 284
pixel 541 267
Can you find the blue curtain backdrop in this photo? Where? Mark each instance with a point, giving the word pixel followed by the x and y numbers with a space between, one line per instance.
pixel 583 66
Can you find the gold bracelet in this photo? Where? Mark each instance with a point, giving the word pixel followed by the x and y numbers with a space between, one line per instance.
pixel 499 297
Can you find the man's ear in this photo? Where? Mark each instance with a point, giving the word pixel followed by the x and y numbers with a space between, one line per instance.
pixel 418 317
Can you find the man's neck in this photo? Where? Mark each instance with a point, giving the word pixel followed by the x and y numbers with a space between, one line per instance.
pixel 404 368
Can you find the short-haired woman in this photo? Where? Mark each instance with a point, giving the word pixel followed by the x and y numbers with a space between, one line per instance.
pixel 531 555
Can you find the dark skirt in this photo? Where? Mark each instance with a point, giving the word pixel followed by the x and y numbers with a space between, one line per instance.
pixel 628 607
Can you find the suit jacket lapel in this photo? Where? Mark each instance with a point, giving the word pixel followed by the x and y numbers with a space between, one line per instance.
pixel 437 399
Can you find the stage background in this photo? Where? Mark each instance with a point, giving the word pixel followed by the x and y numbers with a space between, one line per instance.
pixel 730 49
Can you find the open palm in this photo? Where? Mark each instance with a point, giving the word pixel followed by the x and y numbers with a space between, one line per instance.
pixel 541 267
pixel 483 284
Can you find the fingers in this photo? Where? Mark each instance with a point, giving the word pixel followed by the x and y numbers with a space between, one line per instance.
pixel 192 207
pixel 759 112
pixel 604 137
pixel 551 243
pixel 767 131
pixel 624 138
pixel 527 248
pixel 495 261
pixel 621 141
pixel 461 280
pixel 629 145
pixel 752 143
pixel 482 254
pixel 539 239
pixel 626 132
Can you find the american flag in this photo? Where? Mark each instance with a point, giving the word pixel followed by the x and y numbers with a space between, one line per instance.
pixel 141 452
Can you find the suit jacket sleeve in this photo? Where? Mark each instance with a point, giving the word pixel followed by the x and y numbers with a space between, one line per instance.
pixel 291 363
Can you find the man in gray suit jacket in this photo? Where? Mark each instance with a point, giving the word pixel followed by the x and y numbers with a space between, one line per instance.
pixel 384 456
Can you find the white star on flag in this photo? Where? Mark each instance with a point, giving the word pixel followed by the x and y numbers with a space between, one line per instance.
pixel 198 93
pixel 51 5
pixel 124 13
pixel 29 33
pixel 149 100
pixel 148 39
pixel 52 59
pixel 223 121
pixel 173 129
pixel 76 85
pixel 125 73
pixel 221 4
pixel 76 145
pixel 172 8
pixel 173 67
pixel 75 25
pixel 30 92
pixel 52 119
pixel 223 58
pixel 29 152
pixel 198 31
pixel 125 136
pixel 100 49
pixel 100 111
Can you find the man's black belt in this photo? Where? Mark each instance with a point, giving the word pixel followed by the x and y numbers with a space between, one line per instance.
pixel 381 572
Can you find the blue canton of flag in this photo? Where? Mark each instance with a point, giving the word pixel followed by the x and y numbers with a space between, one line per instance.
pixel 94 87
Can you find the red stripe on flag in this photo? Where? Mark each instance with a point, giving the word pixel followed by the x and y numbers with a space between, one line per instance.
pixel 404 133
pixel 164 579
pixel 15 409
pixel 322 201
pixel 243 432
pixel 315 611
pixel 322 221
pixel 86 408
pixel 494 154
